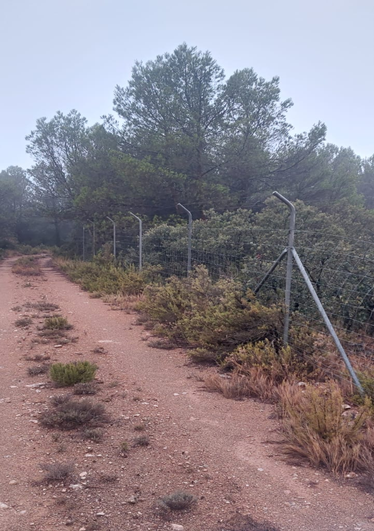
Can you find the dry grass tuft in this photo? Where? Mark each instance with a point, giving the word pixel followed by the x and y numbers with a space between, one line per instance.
pixel 317 429
pixel 142 440
pixel 85 388
pixel 37 370
pixel 255 383
pixel 178 501
pixel 57 471
pixel 27 266
pixel 23 322
pixel 246 523
pixel 92 434
pixel 71 414
pixel 42 306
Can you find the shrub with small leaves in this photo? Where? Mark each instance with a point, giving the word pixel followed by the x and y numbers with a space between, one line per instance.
pixel 71 414
pixel 66 374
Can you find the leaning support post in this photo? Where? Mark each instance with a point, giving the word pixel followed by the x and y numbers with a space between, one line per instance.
pixel 114 237
pixel 327 322
pixel 140 241
pixel 291 237
pixel 277 261
pixel 189 237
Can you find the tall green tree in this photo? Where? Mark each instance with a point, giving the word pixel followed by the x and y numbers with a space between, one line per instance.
pixel 15 204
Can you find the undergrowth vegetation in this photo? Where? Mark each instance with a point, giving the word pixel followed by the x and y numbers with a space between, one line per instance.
pixel 103 278
pixel 220 322
pixel 211 317
pixel 27 266
pixel 319 429
pixel 66 374
pixel 69 414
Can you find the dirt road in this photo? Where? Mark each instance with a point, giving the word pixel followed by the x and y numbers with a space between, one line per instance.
pixel 220 450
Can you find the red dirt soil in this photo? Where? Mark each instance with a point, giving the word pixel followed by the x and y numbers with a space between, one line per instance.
pixel 222 451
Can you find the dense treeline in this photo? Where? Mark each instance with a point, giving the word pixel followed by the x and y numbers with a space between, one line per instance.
pixel 182 132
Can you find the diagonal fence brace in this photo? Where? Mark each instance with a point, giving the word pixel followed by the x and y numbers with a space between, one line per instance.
pixel 327 321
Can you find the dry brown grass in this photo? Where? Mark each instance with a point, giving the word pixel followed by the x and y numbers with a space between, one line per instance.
pixel 42 306
pixel 255 383
pixel 72 414
pixel 57 471
pixel 27 266
pixel 317 429
pixel 23 322
pixel 127 303
pixel 245 523
pixel 178 501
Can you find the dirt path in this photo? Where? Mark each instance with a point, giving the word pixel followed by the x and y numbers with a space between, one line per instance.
pixel 220 450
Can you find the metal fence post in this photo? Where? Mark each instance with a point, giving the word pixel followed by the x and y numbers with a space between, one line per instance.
pixel 140 241
pixel 189 237
pixel 84 244
pixel 114 238
pixel 291 238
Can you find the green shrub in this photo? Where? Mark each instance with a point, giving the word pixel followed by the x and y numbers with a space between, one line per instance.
pixel 102 277
pixel 57 323
pixel 279 363
pixel 66 374
pixel 214 317
pixel 367 381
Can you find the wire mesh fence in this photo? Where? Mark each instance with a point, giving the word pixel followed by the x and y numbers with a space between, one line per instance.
pixel 340 269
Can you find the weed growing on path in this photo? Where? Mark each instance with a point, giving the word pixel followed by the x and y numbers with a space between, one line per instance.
pixel 24 322
pixel 71 414
pixel 57 323
pixel 66 374
pixel 178 501
pixel 37 370
pixel 57 471
pixel 142 440
pixel 42 306
pixel 85 388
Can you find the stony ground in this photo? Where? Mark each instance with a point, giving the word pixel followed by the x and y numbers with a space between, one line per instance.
pixel 224 452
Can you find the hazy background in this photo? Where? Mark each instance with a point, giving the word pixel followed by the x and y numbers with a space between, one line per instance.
pixel 65 54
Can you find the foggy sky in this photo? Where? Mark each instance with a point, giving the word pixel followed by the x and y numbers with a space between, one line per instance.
pixel 65 54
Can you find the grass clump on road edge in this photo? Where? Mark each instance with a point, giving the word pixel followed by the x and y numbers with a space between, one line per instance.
pixel 27 266
pixel 318 429
pixel 67 374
